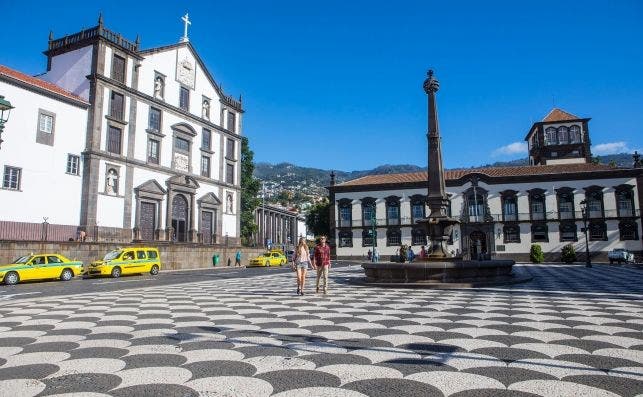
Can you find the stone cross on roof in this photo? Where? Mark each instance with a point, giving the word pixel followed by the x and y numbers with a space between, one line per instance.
pixel 186 22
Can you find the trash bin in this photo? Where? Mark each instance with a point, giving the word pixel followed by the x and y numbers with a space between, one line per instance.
pixel 215 259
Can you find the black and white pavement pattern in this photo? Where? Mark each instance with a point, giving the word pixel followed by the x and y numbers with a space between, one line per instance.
pixel 571 331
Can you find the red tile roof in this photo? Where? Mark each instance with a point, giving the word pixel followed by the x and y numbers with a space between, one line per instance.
pixel 38 83
pixel 559 115
pixel 491 172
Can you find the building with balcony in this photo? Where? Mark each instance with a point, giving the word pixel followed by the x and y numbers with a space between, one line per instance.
pixel 502 210
pixel 149 138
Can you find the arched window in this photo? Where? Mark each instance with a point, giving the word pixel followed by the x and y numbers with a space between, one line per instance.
pixel 369 214
pixel 537 204
pixel 511 233
pixel 550 136
pixel 594 197
pixel 418 209
pixel 509 206
pixel 563 135
pixel 574 134
pixel 475 202
pixel 393 237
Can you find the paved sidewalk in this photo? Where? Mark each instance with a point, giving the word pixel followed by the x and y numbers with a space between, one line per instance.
pixel 571 331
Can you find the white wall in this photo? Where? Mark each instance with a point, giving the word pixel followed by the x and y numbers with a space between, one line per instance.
pixel 46 189
pixel 69 71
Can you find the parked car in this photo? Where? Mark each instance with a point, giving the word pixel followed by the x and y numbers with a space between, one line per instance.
pixel 270 258
pixel 620 255
pixel 40 267
pixel 127 261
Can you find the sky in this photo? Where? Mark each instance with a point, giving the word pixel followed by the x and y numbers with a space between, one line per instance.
pixel 338 84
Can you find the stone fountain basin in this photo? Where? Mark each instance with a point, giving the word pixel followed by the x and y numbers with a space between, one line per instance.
pixel 444 273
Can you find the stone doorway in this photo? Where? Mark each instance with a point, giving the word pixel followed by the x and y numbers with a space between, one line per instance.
pixel 148 220
pixel 179 218
pixel 477 244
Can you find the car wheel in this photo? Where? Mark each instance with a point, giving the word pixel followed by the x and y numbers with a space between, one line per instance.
pixel 154 270
pixel 11 278
pixel 66 275
pixel 116 272
pixel 267 263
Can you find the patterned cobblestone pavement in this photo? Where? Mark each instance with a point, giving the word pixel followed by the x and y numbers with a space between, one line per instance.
pixel 571 331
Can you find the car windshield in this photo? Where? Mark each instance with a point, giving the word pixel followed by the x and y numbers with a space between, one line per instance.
pixel 111 255
pixel 23 259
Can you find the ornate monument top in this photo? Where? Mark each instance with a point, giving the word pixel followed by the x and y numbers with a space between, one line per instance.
pixel 431 84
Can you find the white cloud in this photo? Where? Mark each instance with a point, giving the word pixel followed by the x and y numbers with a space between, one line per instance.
pixel 610 148
pixel 511 150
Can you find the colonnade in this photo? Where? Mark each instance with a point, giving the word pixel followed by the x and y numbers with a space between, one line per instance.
pixel 277 225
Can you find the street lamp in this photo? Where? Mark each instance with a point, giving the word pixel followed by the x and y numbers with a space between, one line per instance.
pixel 583 209
pixel 373 230
pixel 5 110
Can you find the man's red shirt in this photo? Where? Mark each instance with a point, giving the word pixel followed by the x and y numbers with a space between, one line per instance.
pixel 322 255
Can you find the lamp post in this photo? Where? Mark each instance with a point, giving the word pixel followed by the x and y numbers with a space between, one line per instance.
pixel 583 209
pixel 373 230
pixel 5 110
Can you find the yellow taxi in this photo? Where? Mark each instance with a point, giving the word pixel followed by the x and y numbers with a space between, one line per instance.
pixel 122 261
pixel 270 258
pixel 40 267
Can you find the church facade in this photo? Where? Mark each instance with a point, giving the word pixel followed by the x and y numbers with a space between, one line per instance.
pixel 130 143
pixel 502 210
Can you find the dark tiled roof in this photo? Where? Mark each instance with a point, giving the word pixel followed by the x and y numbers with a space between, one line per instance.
pixel 559 115
pixel 490 172
pixel 38 83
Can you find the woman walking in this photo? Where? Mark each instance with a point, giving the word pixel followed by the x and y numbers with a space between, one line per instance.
pixel 302 260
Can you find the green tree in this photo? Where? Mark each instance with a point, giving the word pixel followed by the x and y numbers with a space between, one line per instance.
pixel 318 218
pixel 536 254
pixel 250 187
pixel 596 159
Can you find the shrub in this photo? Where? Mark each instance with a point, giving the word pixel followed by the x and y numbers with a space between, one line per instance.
pixel 568 255
pixel 536 254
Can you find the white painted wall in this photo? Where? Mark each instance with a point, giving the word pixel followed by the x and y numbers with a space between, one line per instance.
pixel 46 189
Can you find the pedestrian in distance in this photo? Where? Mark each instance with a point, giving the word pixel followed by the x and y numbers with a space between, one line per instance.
pixel 237 259
pixel 321 262
pixel 301 261
pixel 411 254
pixel 369 254
pixel 422 253
pixel 376 255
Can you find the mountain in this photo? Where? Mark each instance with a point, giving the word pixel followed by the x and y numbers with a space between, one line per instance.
pixel 294 186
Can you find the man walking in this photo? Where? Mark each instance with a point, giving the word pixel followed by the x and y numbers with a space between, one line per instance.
pixel 237 259
pixel 321 262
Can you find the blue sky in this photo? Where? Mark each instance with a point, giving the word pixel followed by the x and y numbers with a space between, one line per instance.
pixel 338 84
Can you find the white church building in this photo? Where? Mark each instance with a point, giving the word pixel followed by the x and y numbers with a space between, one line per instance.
pixel 123 143
pixel 502 210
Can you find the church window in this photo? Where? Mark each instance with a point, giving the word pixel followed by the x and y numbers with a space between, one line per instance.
pixel 563 135
pixel 539 233
pixel 73 164
pixel 206 139
pixel 232 121
pixel 114 136
pixel 117 105
pixel 153 151
pixel 550 136
pixel 230 149
pixel 229 173
pixel 46 127
pixel 184 99
pixel 118 69
pixel 205 166
pixel 574 134
pixel 393 237
pixel 511 234
pixel 182 145
pixel 154 122
pixel 345 238
pixel 12 176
